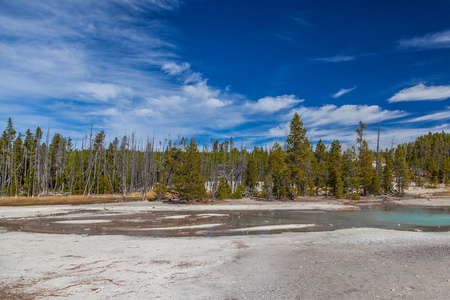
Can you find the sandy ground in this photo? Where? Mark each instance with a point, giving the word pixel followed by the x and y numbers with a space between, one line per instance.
pixel 7 212
pixel 345 264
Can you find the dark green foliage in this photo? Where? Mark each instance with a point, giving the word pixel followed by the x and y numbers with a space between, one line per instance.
pixel 366 171
pixel 279 171
pixel 321 159
pixel 160 190
pixel 238 192
pixel 298 156
pixel 401 169
pixel 37 163
pixel 350 171
pixel 387 176
pixel 224 190
pixel 189 181
pixel 251 175
pixel 335 170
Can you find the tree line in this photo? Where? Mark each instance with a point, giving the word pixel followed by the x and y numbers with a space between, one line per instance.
pixel 32 164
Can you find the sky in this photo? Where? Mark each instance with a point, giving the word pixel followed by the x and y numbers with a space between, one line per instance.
pixel 227 68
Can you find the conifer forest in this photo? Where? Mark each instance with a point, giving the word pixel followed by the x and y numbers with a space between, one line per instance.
pixel 36 164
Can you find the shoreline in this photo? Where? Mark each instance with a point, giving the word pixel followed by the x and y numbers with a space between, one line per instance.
pixel 244 204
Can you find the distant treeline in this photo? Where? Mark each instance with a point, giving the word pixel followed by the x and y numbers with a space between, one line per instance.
pixel 32 164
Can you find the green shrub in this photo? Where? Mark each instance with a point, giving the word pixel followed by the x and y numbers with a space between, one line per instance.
pixel 160 190
pixel 238 193
pixel 356 196
pixel 224 189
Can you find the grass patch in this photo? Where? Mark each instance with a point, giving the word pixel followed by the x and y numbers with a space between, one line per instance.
pixel 444 193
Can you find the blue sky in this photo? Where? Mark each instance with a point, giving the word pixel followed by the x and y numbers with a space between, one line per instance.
pixel 224 68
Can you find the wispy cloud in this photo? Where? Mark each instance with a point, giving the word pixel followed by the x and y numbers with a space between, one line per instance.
pixel 336 59
pixel 175 69
pixel 342 92
pixel 443 115
pixel 330 122
pixel 429 41
pixel 287 35
pixel 422 92
pixel 301 21
pixel 274 104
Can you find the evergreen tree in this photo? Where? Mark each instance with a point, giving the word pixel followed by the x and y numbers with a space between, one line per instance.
pixel 387 175
pixel 401 169
pixel 189 181
pixel 350 171
pixel 433 170
pixel 278 171
pixel 251 175
pixel 224 189
pixel 238 193
pixel 445 170
pixel 297 154
pixel 335 169
pixel 321 158
pixel 365 167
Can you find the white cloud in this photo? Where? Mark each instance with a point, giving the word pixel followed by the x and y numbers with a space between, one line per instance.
pixel 200 90
pixel 346 114
pixel 274 104
pixel 104 91
pixel 429 41
pixel 337 58
pixel 343 92
pixel 331 122
pixel 105 112
pixel 443 115
pixel 422 92
pixel 215 103
pixel 163 103
pixel 175 69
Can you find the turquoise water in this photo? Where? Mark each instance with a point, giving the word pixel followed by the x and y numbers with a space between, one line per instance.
pixel 413 217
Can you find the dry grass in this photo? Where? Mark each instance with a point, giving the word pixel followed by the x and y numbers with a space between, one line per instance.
pixel 444 193
pixel 72 200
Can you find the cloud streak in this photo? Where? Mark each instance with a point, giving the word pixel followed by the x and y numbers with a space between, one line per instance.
pixel 330 122
pixel 336 59
pixel 422 92
pixel 429 41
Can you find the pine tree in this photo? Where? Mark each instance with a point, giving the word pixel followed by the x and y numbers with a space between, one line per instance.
pixel 445 170
pixel 335 169
pixel 387 178
pixel 401 169
pixel 189 181
pixel 251 175
pixel 365 167
pixel 224 189
pixel 433 169
pixel 321 158
pixel 297 155
pixel 278 171
pixel 350 171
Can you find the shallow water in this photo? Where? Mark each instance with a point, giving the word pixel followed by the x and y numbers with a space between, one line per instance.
pixel 163 224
